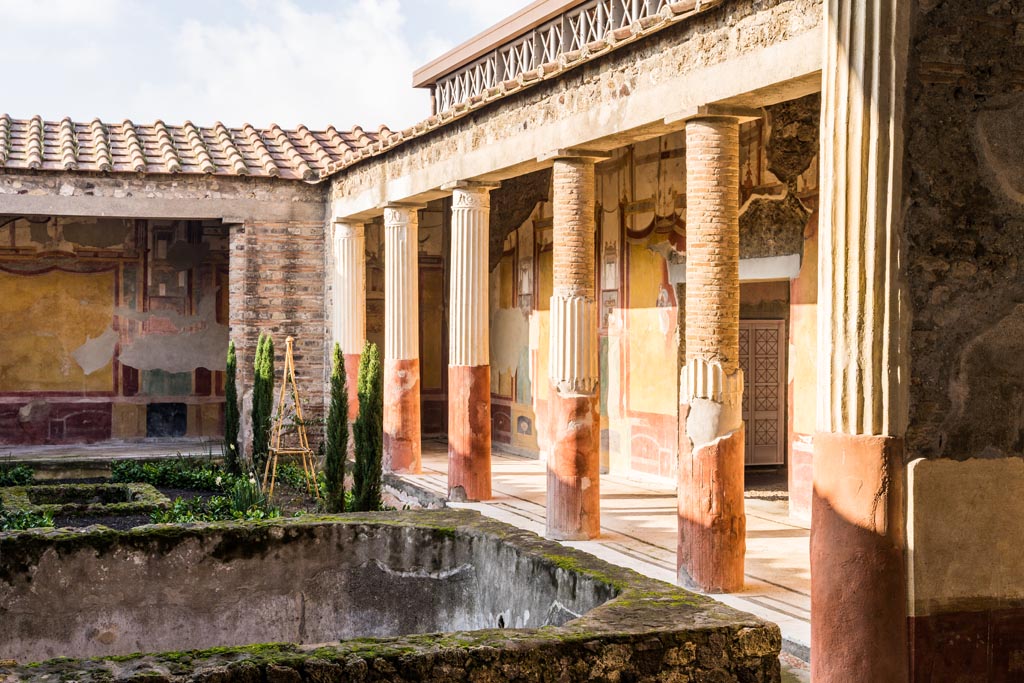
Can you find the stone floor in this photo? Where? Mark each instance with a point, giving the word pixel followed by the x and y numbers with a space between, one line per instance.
pixel 638 520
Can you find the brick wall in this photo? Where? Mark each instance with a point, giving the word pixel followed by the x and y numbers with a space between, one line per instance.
pixel 277 285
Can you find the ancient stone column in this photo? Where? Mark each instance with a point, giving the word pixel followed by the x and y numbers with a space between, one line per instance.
pixel 712 523
pixel 469 369
pixel 401 340
pixel 859 581
pixel 349 319
pixel 573 482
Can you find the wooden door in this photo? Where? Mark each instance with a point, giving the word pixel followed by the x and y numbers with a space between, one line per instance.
pixel 763 361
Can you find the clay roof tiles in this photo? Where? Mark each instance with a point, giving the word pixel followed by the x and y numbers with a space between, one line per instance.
pixel 127 147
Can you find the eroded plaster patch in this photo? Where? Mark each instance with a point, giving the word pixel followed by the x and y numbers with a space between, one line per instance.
pixel 196 341
pixel 96 353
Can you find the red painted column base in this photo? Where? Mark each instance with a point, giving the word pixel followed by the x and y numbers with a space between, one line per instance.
pixel 402 416
pixel 712 539
pixel 574 469
pixel 858 570
pixel 469 432
pixel 352 384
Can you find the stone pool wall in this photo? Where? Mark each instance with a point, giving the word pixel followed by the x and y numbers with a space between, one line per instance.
pixel 368 581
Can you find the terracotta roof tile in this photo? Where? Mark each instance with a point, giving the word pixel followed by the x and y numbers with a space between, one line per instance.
pixel 126 147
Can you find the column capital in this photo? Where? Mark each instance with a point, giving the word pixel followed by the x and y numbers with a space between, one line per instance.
pixel 400 213
pixel 716 111
pixel 576 153
pixel 344 228
pixel 471 185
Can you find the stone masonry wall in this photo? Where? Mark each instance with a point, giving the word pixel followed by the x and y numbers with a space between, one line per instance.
pixel 965 226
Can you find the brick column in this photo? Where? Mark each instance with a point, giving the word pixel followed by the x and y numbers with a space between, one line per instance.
pixel 573 482
pixel 401 340
pixel 469 369
pixel 712 523
pixel 858 538
pixel 349 319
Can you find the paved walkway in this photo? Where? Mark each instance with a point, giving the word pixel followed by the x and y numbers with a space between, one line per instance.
pixel 638 530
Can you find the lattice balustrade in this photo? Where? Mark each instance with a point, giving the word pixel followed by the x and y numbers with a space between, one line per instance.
pixel 575 29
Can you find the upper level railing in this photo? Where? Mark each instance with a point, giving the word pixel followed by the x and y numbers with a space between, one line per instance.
pixel 587 22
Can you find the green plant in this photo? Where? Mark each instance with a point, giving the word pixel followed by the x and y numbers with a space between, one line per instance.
pixel 336 437
pixel 15 475
pixel 246 494
pixel 18 520
pixel 178 473
pixel 262 400
pixel 231 416
pixel 245 502
pixel 369 432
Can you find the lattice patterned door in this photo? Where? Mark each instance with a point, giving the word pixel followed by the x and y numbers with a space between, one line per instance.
pixel 762 359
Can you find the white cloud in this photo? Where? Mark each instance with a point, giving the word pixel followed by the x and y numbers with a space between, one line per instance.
pixel 292 66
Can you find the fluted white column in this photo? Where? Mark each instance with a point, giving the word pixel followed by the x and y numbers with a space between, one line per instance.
pixel 469 370
pixel 349 324
pixel 858 541
pixel 401 340
pixel 469 323
pixel 401 283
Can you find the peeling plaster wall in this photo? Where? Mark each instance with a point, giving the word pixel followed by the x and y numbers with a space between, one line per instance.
pixel 109 324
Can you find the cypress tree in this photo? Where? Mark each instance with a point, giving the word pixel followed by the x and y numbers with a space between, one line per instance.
pixel 336 441
pixel 369 432
pixel 231 416
pixel 262 400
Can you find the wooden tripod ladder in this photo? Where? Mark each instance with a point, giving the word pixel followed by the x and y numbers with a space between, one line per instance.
pixel 303 449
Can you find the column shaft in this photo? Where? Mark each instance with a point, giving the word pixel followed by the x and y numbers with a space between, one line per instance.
pixel 712 523
pixel 349 319
pixel 401 341
pixel 573 486
pixel 469 371
pixel 859 586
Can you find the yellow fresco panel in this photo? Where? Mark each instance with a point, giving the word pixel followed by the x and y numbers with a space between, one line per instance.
pixel 652 374
pixel 46 317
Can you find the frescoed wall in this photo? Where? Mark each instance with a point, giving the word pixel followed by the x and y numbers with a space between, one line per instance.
pixel 112 328
pixel 641 261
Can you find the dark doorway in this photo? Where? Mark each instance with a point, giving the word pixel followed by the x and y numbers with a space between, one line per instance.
pixel 166 419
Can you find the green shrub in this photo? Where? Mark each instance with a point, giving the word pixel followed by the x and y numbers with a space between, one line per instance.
pixel 369 432
pixel 231 416
pixel 18 520
pixel 336 437
pixel 15 475
pixel 175 473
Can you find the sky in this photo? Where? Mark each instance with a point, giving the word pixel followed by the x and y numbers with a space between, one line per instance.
pixel 317 62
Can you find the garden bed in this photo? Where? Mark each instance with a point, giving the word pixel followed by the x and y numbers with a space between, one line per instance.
pixel 69 500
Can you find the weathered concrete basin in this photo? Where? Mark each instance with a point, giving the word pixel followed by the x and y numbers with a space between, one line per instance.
pixel 507 604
